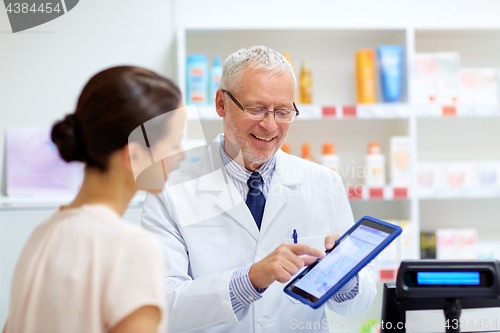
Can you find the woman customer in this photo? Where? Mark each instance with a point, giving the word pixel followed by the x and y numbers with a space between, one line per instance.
pixel 85 269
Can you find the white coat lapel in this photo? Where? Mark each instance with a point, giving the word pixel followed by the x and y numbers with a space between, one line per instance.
pixel 283 179
pixel 229 200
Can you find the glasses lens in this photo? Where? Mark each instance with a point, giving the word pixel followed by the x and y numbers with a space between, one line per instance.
pixel 255 112
pixel 285 116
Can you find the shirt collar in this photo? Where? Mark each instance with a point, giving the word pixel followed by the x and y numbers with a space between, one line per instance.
pixel 239 172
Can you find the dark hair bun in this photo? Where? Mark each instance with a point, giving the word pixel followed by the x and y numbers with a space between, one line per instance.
pixel 67 135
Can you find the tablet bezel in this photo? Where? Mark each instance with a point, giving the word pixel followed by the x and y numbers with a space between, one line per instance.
pixel 372 222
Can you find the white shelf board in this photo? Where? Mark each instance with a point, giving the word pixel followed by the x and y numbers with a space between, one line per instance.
pixel 338 14
pixel 375 111
pixel 388 193
pixel 328 111
pixel 456 111
pixel 33 202
pixel 477 192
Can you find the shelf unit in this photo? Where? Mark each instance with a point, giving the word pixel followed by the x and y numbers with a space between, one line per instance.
pixel 468 133
pixel 335 116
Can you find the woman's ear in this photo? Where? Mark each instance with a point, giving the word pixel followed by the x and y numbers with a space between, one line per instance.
pixel 220 103
pixel 135 157
pixel 129 154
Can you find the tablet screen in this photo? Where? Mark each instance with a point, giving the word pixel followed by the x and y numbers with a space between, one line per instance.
pixel 349 252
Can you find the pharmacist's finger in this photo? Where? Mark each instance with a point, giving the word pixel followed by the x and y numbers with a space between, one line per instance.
pixel 330 240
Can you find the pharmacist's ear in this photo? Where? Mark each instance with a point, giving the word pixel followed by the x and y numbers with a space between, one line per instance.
pixel 220 103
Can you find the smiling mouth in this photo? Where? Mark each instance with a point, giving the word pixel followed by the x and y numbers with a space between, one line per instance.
pixel 261 138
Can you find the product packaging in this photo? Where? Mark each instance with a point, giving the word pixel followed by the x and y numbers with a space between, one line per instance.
pixel 488 250
pixel 427 245
pixel 461 175
pixel 197 80
pixel 288 57
pixel 215 76
pixel 478 85
pixel 365 76
pixel 426 175
pixel 286 147
pixel 375 166
pixel 34 166
pixel 448 77
pixel 406 242
pixel 400 161
pixel 328 158
pixel 391 71
pixel 467 240
pixel 488 86
pixel 305 83
pixel 469 81
pixel 446 244
pixel 488 173
pixel 424 87
pixel 306 152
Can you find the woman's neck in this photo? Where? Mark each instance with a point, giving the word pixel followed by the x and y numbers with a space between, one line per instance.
pixel 107 188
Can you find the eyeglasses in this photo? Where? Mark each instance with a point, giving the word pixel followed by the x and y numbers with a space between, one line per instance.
pixel 258 113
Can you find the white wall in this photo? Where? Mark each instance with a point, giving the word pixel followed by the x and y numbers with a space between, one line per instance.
pixel 43 69
pixel 287 14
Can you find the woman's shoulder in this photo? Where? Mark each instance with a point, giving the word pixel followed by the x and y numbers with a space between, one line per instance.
pixel 99 225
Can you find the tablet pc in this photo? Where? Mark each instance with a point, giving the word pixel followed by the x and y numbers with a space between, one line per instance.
pixel 351 252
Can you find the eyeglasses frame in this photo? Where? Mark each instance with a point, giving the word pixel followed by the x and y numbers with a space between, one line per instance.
pixel 243 108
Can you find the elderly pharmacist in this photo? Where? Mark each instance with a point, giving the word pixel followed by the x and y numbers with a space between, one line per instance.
pixel 226 223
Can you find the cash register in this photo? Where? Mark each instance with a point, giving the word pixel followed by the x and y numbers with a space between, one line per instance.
pixel 448 286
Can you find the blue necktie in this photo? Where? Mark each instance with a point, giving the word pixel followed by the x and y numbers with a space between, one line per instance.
pixel 255 198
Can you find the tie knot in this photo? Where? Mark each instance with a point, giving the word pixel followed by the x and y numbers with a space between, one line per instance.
pixel 254 181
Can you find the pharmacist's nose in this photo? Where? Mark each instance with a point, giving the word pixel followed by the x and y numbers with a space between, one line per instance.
pixel 269 123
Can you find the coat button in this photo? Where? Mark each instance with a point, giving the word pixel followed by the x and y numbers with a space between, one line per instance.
pixel 264 322
pixel 226 306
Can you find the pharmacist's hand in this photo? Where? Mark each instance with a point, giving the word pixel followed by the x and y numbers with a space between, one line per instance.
pixel 282 263
pixel 330 240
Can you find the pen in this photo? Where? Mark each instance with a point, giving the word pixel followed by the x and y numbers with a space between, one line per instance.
pixel 295 236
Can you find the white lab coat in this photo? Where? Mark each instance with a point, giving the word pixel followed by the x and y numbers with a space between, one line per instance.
pixel 207 232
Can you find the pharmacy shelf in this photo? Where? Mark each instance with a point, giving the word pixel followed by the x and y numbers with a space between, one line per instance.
pixel 374 111
pixel 461 132
pixel 476 192
pixel 363 193
pixel 332 111
pixel 51 202
pixel 458 111
pixel 353 111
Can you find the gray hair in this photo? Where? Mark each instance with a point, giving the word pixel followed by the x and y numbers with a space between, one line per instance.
pixel 260 57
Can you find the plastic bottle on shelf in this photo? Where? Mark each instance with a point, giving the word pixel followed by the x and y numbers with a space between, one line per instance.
pixel 365 76
pixel 329 159
pixel 215 75
pixel 197 79
pixel 287 56
pixel 306 152
pixel 375 166
pixel 391 72
pixel 286 147
pixel 305 83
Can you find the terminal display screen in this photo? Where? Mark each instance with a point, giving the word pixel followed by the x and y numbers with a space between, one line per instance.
pixel 448 278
